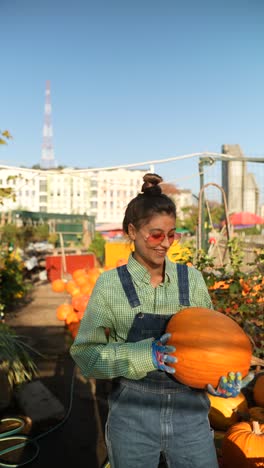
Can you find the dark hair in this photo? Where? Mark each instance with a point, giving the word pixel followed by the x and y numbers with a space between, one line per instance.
pixel 150 201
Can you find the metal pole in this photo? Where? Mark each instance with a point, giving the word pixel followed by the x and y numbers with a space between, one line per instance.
pixel 200 228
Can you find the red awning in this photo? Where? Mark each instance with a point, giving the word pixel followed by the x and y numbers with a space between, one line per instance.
pixel 244 218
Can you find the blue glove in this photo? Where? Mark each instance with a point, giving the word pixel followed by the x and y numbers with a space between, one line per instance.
pixel 230 385
pixel 160 354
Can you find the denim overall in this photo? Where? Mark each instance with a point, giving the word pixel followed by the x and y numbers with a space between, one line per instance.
pixel 157 413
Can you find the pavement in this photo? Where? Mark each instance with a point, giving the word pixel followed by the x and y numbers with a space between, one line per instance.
pixel 76 437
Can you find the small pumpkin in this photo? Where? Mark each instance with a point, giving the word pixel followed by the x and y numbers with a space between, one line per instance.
pixel 226 411
pixel 79 302
pixel 243 445
pixel 63 311
pixel 87 288
pixel 93 275
pixel 258 390
pixel 58 285
pixel 72 317
pixel 79 272
pixel 82 279
pixel 70 285
pixel 208 345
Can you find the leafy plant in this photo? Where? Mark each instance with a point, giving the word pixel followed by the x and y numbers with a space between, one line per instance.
pixel 235 293
pixel 12 285
pixel 4 136
pixel 15 359
pixel 97 246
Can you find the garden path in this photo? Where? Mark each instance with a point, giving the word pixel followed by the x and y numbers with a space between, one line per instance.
pixel 79 440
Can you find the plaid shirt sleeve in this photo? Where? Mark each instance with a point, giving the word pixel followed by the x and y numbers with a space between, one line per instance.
pixel 103 358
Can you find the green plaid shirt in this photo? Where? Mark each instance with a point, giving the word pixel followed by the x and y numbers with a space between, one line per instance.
pixel 108 307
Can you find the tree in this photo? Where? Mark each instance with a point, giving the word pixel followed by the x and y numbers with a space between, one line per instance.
pixel 4 137
pixel 5 192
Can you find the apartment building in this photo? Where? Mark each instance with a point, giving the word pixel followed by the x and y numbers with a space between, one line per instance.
pixel 103 194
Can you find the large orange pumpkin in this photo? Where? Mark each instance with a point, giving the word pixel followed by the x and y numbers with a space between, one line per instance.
pixel 243 445
pixel 208 345
pixel 226 411
pixel 258 390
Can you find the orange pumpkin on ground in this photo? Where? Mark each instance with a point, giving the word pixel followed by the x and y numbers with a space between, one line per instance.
pixel 93 275
pixel 80 301
pixel 226 411
pixel 72 317
pixel 208 345
pixel 82 279
pixel 243 445
pixel 79 272
pixel 258 390
pixel 87 288
pixel 70 286
pixel 58 285
pixel 63 311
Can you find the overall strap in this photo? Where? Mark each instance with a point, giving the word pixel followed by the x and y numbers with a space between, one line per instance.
pixel 183 280
pixel 131 294
pixel 128 286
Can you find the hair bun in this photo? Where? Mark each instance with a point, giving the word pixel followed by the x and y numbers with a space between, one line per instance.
pixel 151 184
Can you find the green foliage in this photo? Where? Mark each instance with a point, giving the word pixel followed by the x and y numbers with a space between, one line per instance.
pixel 21 236
pixel 236 254
pixel 237 294
pixel 15 359
pixel 4 137
pixel 190 219
pixel 13 288
pixel 53 238
pixel 97 246
pixel 41 232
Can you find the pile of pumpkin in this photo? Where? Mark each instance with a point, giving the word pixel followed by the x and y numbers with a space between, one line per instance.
pixel 238 425
pixel 78 288
pixel 208 345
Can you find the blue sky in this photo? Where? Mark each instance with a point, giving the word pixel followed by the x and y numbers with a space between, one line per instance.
pixel 132 81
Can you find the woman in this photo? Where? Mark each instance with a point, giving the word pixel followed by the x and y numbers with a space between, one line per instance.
pixel 150 412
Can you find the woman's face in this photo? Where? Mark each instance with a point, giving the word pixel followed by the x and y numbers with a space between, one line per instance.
pixel 153 240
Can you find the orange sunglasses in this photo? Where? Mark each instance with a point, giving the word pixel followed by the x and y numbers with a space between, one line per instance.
pixel 157 237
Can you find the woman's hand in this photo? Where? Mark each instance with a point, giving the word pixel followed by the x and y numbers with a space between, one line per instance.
pixel 160 354
pixel 230 385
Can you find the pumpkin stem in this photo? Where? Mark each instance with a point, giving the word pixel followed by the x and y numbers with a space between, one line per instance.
pixel 256 361
pixel 256 428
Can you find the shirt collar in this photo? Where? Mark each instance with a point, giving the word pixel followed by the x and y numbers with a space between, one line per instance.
pixel 140 273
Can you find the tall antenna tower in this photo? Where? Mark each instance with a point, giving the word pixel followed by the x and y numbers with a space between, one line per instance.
pixel 47 153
